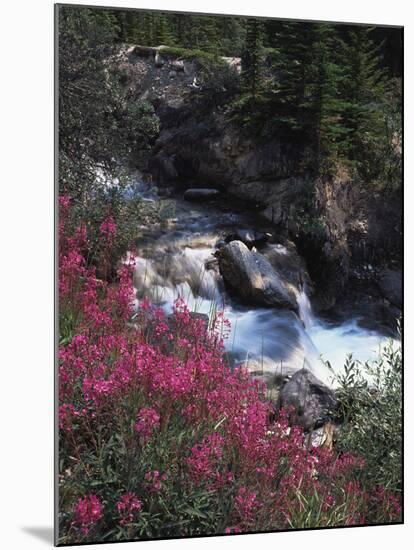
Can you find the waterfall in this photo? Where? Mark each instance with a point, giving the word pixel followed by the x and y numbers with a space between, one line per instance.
pixel 305 309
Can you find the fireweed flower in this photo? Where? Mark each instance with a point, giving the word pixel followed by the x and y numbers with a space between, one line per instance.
pixel 108 230
pixel 154 481
pixel 246 503
pixel 88 511
pixel 128 507
pixel 148 421
pixel 205 457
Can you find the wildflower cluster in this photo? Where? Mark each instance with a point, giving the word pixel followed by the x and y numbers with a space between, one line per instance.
pixel 88 511
pixel 128 507
pixel 158 437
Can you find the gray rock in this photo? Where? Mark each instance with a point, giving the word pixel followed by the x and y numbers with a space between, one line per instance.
pixel 249 237
pixel 177 65
pixel 202 194
pixel 252 276
pixel 312 401
pixel 390 283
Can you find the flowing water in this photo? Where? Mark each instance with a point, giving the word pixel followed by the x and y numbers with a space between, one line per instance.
pixel 177 261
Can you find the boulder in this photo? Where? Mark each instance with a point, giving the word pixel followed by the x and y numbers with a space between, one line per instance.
pixel 251 275
pixel 390 283
pixel 177 65
pixel 249 237
pixel 312 401
pixel 201 194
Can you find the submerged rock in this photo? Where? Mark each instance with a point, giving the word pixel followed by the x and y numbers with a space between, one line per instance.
pixel 251 275
pixel 313 402
pixel 201 194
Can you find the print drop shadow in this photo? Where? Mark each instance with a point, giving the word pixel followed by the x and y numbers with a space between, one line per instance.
pixel 42 533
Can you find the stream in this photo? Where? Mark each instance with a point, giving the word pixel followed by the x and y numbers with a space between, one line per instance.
pixel 176 260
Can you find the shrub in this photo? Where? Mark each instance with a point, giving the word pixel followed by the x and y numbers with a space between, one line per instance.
pixel 158 438
pixel 370 397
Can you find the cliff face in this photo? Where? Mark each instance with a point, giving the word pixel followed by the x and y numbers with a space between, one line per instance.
pixel 343 231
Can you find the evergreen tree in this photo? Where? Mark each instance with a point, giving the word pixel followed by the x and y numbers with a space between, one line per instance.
pixel 252 57
pixel 305 92
pixel 364 88
pixel 232 35
pixel 162 32
pixel 324 101
pixel 210 35
pixel 291 64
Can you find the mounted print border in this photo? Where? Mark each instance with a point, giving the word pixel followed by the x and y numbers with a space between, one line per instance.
pixel 229 251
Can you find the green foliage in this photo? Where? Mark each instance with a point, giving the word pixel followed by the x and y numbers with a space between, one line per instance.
pixel 138 128
pixel 252 57
pixel 364 89
pixel 325 86
pixel 370 396
pixel 198 55
pixel 389 145
pixel 96 127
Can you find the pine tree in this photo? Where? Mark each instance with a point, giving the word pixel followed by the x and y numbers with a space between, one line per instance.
pixel 232 35
pixel 325 103
pixel 364 88
pixel 252 57
pixel 162 30
pixel 291 64
pixel 305 91
pixel 210 35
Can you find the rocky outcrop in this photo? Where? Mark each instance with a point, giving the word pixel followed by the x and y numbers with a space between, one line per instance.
pixel 390 283
pixel 251 275
pixel 162 168
pixel 312 402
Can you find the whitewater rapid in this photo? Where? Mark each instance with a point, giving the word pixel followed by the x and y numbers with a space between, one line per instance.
pixel 179 263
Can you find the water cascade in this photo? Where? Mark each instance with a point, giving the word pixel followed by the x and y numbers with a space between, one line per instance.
pixel 181 263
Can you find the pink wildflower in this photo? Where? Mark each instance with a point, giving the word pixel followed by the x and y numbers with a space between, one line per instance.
pixel 108 229
pixel 88 511
pixel 246 503
pixel 205 457
pixel 128 507
pixel 148 420
pixel 154 480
